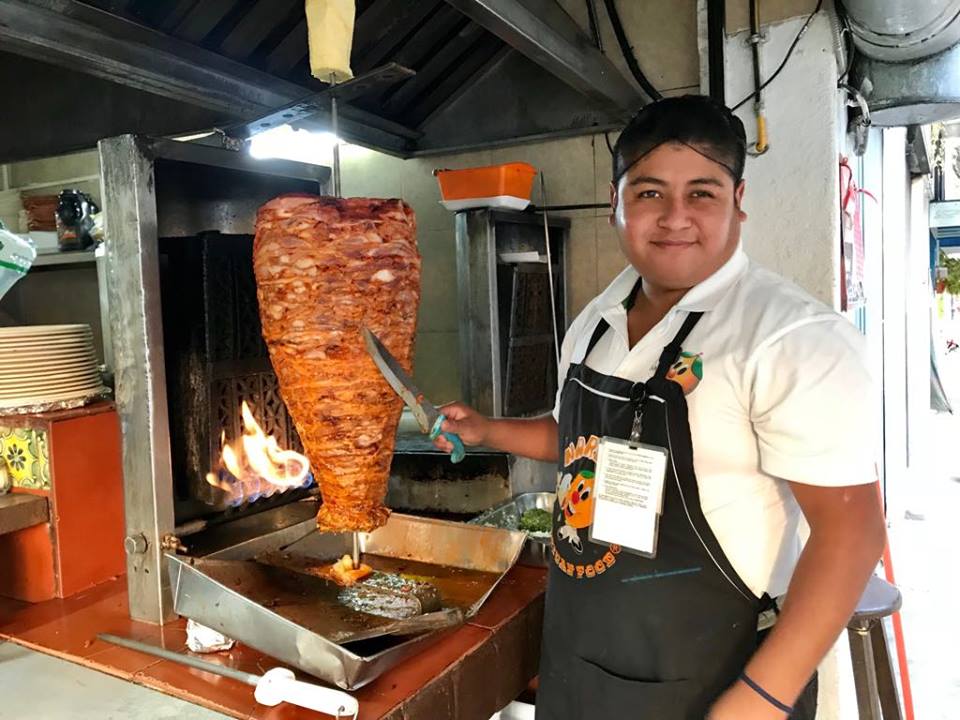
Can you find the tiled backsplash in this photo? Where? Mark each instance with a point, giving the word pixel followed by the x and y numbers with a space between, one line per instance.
pixel 26 454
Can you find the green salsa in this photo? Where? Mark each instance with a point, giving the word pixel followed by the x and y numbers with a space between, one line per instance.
pixel 536 520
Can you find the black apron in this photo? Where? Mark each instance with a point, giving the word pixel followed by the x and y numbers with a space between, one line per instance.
pixel 627 636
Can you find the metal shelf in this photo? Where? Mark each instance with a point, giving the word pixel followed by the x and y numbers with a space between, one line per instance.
pixel 52 259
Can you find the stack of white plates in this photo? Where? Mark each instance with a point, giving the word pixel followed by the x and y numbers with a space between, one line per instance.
pixel 47 364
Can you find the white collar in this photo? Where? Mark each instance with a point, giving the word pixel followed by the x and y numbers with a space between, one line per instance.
pixel 700 298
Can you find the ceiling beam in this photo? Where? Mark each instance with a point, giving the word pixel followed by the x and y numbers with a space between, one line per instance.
pixel 409 17
pixel 542 30
pixel 202 19
pixel 433 70
pixel 254 27
pixel 289 51
pixel 78 36
pixel 483 56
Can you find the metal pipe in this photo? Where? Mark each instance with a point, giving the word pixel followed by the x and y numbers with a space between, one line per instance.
pixel 553 301
pixel 239 675
pixel 756 37
pixel 716 36
pixel 564 208
pixel 838 29
pixel 335 125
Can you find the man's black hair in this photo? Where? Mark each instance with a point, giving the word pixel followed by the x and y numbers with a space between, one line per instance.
pixel 697 121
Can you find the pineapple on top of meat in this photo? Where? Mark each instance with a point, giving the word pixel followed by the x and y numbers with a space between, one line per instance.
pixel 344 573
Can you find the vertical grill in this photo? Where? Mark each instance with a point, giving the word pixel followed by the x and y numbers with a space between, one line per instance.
pixel 215 357
pixel 528 339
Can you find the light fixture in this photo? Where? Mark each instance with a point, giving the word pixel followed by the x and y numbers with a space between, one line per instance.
pixel 289 144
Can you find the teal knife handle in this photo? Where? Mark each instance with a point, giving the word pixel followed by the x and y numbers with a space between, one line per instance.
pixel 458 449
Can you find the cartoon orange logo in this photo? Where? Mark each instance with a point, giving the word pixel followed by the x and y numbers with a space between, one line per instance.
pixel 687 372
pixel 577 503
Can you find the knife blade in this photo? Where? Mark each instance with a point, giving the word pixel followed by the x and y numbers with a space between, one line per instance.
pixel 428 417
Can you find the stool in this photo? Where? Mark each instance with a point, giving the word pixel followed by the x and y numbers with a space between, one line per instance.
pixel 872 666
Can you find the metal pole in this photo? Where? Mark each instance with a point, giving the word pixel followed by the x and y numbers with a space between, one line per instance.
pixel 335 123
pixel 553 301
pixel 716 34
pixel 337 191
pixel 244 677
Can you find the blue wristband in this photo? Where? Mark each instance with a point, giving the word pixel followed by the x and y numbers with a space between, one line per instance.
pixel 765 695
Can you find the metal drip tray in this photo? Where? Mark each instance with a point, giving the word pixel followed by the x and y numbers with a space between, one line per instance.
pixel 264 593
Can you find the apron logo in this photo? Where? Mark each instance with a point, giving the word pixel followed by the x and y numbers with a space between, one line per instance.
pixel 687 371
pixel 574 512
pixel 587 570
pixel 582 448
pixel 576 502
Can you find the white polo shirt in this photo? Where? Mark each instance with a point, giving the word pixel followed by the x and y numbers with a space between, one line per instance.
pixel 784 395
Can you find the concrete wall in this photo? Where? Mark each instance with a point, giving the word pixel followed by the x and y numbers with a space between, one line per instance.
pixel 663 34
pixel 793 189
pixel 771 11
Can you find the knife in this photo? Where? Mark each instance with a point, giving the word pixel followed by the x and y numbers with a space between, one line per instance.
pixel 428 417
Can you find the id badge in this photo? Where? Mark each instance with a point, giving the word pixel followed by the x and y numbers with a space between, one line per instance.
pixel 628 495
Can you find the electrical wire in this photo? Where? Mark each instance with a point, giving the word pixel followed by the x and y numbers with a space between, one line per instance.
pixel 851 52
pixel 627 51
pixel 851 48
pixel 786 57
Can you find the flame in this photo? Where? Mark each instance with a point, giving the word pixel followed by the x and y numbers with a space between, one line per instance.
pixel 255 466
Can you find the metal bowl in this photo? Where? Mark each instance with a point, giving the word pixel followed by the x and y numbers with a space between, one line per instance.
pixel 507 516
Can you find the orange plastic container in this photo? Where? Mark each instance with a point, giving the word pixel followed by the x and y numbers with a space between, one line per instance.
pixel 505 186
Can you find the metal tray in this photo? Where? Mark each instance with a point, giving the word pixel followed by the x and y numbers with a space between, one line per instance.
pixel 507 515
pixel 287 614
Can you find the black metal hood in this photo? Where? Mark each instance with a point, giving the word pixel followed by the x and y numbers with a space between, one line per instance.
pixel 487 71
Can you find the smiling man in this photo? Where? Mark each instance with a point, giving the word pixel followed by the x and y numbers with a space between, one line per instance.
pixel 706 405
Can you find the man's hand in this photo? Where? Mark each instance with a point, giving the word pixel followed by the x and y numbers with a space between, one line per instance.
pixel 527 437
pixel 847 536
pixel 471 426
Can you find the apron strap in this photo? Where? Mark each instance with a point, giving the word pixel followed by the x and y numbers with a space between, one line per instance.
pixel 671 351
pixel 603 325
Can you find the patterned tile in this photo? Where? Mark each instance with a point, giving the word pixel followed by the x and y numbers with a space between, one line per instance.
pixel 26 454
